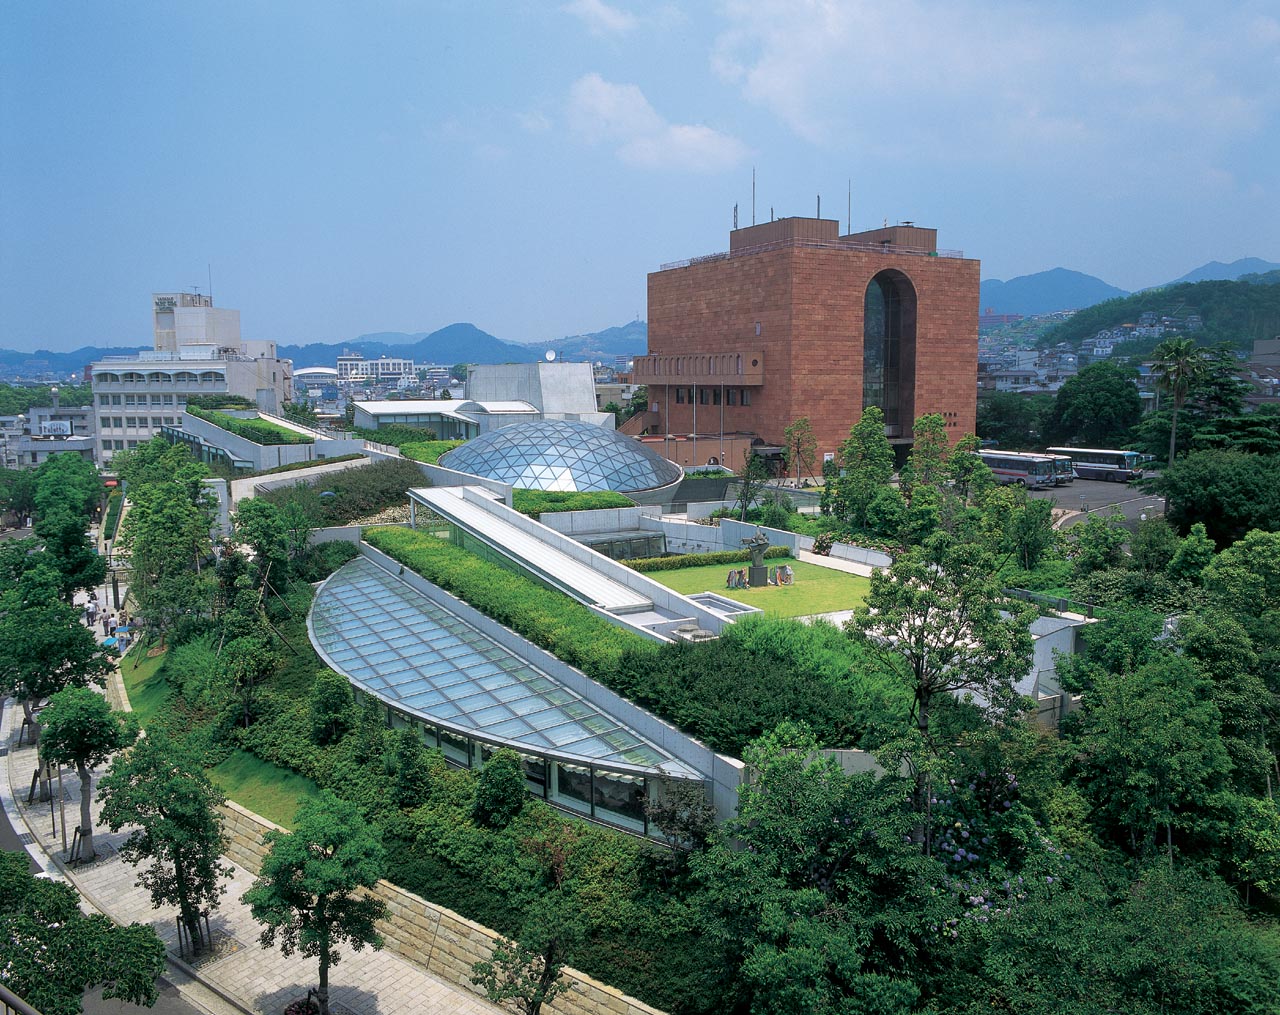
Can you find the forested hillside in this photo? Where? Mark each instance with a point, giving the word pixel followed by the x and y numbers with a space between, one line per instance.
pixel 1235 312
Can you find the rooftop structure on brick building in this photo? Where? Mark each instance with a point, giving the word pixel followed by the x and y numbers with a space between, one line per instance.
pixel 797 320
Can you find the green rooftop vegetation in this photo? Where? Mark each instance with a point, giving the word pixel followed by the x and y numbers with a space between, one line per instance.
pixel 816 589
pixel 534 502
pixel 260 431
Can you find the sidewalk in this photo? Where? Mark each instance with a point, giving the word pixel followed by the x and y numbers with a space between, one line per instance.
pixel 238 975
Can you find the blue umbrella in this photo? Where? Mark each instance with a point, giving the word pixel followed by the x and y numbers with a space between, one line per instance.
pixel 108 642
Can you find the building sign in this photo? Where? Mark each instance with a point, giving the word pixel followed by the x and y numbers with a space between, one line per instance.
pixel 55 428
pixel 165 303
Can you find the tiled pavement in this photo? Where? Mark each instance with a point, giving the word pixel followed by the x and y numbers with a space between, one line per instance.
pixel 243 976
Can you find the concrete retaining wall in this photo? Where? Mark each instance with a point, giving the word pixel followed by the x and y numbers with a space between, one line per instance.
pixel 437 939
pixel 577 523
pixel 440 476
pixel 685 537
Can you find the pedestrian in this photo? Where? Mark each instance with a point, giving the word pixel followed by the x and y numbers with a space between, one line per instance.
pixel 91 612
pixel 112 623
pixel 106 623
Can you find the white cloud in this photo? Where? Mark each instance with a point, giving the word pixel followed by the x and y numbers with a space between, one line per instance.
pixel 969 78
pixel 600 18
pixel 534 122
pixel 603 112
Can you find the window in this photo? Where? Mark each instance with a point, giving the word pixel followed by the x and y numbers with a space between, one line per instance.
pixel 155 399
pixel 168 400
pixel 746 396
pixel 104 422
pixel 131 421
pixel 115 399
pixel 117 422
pixel 731 397
pixel 715 396
pixel 119 445
pixel 704 396
pixel 104 399
pixel 129 399
pixel 157 421
pixel 679 396
pixel 131 445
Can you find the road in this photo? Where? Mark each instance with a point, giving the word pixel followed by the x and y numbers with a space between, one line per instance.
pixel 1105 497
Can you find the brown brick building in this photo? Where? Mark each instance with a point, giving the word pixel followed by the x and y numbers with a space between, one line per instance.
pixel 796 320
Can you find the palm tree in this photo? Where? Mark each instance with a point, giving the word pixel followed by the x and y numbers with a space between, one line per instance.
pixel 1179 364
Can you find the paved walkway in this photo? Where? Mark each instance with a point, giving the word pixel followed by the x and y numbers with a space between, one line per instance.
pixel 239 976
pixel 836 564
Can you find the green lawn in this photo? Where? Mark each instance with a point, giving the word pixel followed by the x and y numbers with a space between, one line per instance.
pixel 262 787
pixel 144 683
pixel 816 589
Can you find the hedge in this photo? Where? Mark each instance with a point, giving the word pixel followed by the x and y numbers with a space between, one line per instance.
pixel 220 402
pixel 428 451
pixel 549 619
pixel 112 518
pixel 683 560
pixel 295 466
pixel 397 434
pixel 534 502
pixel 342 496
pixel 260 431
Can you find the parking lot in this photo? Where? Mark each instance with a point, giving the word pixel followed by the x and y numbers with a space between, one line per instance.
pixel 1096 495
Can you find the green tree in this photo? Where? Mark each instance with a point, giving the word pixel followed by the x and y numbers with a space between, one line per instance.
pixel 501 790
pixel 43 646
pixel 1153 545
pixel 309 896
pixel 1098 543
pixel 332 707
pixel 1013 420
pixel 927 461
pixel 52 953
pixel 167 539
pixel 814 892
pixel 802 446
pixel 17 494
pixel 938 621
pixel 524 973
pixel 1192 555
pixel 1180 366
pixel 1151 753
pixel 867 460
pixel 67 482
pixel 81 730
pixel 1098 407
pixel 161 787
pixel 458 371
pixel 751 480
pixel 1230 492
pixel 154 461
pixel 259 525
pixel 67 549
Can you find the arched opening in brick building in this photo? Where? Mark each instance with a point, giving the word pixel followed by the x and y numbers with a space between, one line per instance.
pixel 889 349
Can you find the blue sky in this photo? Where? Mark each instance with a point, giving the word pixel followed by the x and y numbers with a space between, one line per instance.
pixel 398 166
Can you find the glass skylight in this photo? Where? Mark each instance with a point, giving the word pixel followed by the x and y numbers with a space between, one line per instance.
pixel 394 642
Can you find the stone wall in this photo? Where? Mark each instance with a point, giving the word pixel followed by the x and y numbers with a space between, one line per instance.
pixel 437 939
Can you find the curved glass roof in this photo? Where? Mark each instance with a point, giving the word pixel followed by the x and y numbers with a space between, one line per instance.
pixel 399 645
pixel 555 454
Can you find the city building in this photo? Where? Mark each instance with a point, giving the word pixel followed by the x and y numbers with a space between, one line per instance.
pixel 135 396
pixel 797 320
pixel 353 368
pixel 30 438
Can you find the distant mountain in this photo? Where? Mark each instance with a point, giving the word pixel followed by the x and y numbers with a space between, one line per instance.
pixel 1045 292
pixel 1216 270
pixel 458 343
pixel 15 363
pixel 630 339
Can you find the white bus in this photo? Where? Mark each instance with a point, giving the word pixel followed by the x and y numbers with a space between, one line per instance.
pixel 1063 471
pixel 1035 472
pixel 1102 463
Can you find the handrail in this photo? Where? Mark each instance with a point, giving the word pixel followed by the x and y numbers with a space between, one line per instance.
pixel 883 248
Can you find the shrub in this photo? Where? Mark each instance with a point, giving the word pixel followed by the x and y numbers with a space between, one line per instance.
pixel 220 402
pixel 295 466
pixel 822 544
pixel 428 451
pixel 682 560
pixel 332 707
pixel 341 497
pixel 112 518
pixel 500 791
pixel 398 435
pixel 316 563
pixel 535 502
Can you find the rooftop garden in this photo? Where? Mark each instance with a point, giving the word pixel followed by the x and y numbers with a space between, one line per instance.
pixel 535 502
pixel 428 451
pixel 260 431
pixel 816 589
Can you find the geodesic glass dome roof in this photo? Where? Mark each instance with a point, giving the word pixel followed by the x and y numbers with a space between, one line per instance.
pixel 563 455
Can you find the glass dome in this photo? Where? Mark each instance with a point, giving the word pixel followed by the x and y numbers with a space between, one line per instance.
pixel 563 455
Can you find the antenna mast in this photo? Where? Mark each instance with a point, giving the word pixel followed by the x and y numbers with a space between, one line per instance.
pixel 850 221
pixel 753 195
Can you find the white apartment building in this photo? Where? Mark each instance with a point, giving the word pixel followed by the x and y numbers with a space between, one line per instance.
pixel 134 396
pixel 353 367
